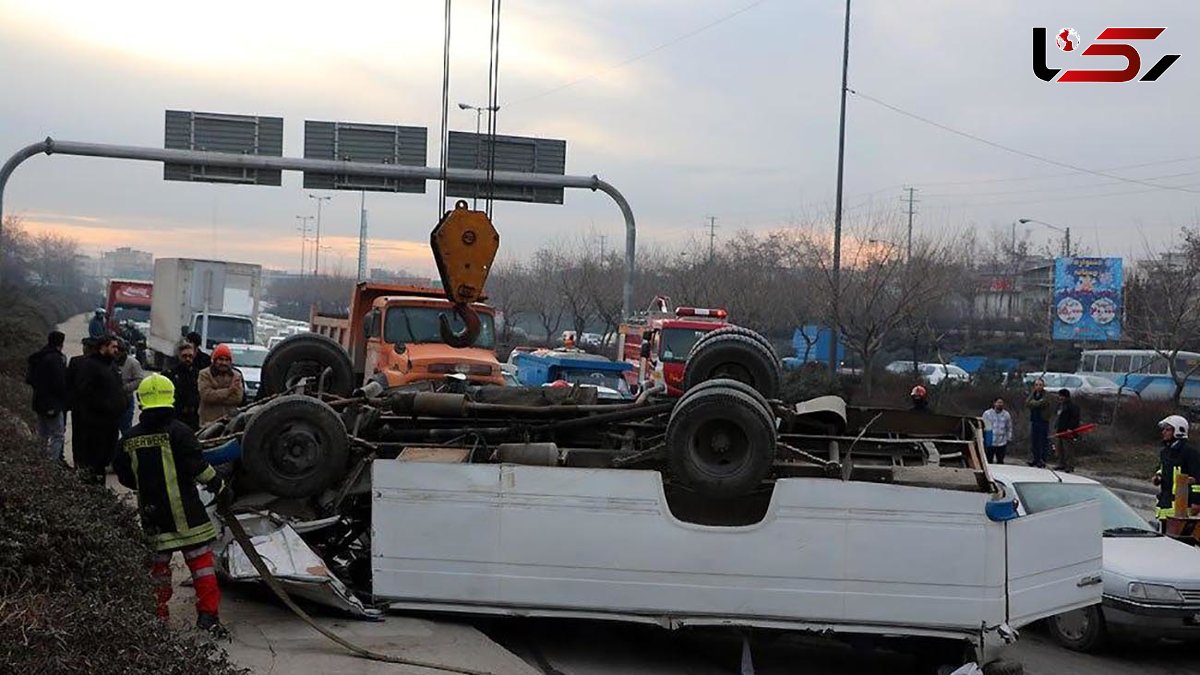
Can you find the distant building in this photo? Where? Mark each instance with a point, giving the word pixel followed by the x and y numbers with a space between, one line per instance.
pixel 1014 294
pixel 404 278
pixel 126 263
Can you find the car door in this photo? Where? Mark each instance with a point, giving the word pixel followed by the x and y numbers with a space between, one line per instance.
pixel 1054 562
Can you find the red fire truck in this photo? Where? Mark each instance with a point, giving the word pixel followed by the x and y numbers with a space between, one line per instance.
pixel 669 335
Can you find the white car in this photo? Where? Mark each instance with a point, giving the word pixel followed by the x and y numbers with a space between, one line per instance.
pixel 1151 582
pixel 1079 385
pixel 249 359
pixel 931 373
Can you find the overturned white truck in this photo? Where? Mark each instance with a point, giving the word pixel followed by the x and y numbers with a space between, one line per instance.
pixel 725 508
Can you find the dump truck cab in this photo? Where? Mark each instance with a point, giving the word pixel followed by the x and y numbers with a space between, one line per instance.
pixel 392 337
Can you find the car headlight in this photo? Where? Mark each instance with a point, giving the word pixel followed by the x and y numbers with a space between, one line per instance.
pixel 1154 592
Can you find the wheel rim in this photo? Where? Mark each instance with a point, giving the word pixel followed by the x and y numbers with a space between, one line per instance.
pixel 1074 625
pixel 296 452
pixel 720 448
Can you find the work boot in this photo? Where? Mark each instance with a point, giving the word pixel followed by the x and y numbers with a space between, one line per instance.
pixel 211 623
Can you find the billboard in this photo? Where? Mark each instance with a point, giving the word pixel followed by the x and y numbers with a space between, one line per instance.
pixel 1087 299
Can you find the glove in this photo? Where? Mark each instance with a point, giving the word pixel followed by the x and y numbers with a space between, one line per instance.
pixel 221 490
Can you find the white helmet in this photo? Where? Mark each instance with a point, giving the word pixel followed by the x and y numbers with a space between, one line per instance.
pixel 1175 422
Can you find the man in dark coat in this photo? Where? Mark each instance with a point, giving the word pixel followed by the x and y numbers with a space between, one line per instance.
pixel 97 402
pixel 47 374
pixel 187 395
pixel 1068 420
pixel 203 360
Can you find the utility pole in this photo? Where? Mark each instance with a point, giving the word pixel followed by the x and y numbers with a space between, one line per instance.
pixel 910 190
pixel 712 237
pixel 603 243
pixel 362 238
pixel 303 239
pixel 837 212
pixel 317 248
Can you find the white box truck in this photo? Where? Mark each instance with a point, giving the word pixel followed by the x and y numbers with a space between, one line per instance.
pixel 217 299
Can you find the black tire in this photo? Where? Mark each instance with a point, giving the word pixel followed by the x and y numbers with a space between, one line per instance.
pixel 720 441
pixel 735 356
pixel 768 411
pixel 736 330
pixel 307 355
pixel 1003 667
pixel 295 446
pixel 1081 630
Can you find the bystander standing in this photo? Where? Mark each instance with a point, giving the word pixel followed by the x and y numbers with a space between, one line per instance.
pixel 47 375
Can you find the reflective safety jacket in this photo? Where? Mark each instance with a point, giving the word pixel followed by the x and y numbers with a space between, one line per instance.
pixel 162 461
pixel 1175 459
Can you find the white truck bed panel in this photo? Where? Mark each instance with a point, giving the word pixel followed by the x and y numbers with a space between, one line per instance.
pixel 603 540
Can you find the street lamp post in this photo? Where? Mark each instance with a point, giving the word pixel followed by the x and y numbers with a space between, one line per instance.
pixel 317 248
pixel 837 212
pixel 303 229
pixel 479 110
pixel 1065 230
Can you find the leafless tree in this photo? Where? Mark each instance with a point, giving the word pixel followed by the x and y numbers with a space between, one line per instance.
pixel 1163 308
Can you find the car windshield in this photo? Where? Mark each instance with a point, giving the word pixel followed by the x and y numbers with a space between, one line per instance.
pixel 411 325
pixel 249 358
pixel 677 342
pixel 1119 519
pixel 123 313
pixel 231 329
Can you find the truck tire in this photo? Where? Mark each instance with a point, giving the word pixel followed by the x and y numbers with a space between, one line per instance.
pixel 736 330
pixel 735 356
pixel 1081 630
pixel 295 446
pixel 720 440
pixel 1003 667
pixel 768 411
pixel 307 355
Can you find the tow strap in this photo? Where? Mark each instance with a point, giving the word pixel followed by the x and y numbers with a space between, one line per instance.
pixel 243 540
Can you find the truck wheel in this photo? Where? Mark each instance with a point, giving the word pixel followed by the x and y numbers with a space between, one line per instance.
pixel 735 356
pixel 720 441
pixel 769 413
pixel 1003 667
pixel 1082 630
pixel 295 446
pixel 735 330
pixel 307 355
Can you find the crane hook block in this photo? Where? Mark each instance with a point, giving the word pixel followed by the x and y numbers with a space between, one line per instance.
pixel 464 246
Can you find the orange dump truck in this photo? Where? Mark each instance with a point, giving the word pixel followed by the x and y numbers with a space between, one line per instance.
pixel 392 336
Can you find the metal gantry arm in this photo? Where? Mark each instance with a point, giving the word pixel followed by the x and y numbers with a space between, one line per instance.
pixel 358 169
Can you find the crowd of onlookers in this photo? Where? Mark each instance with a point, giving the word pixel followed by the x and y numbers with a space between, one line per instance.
pixel 98 390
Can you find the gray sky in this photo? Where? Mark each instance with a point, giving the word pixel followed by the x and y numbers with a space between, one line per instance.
pixel 738 121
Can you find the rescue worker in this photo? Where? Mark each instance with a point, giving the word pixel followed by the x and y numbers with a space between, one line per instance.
pixel 920 399
pixel 1068 420
pixel 187 394
pixel 1039 424
pixel 97 402
pixel 96 327
pixel 1176 458
pixel 47 375
pixel 220 386
pixel 161 460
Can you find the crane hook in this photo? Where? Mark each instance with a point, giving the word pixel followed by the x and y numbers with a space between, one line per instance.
pixel 472 325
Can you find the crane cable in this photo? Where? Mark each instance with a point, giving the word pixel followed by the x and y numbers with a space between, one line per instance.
pixel 493 104
pixel 445 133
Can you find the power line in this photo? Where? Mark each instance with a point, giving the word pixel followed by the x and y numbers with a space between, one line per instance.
pixel 1046 176
pixel 1089 186
pixel 653 50
pixel 1011 149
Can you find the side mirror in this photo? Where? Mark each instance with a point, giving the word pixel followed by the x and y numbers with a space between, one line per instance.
pixel 399 348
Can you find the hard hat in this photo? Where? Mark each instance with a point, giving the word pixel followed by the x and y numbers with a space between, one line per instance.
pixel 1176 423
pixel 156 391
pixel 918 392
pixel 222 350
pixel 101 310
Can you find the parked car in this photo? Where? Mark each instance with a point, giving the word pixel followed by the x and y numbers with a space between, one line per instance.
pixel 931 373
pixel 1151 582
pixel 1079 385
pixel 249 359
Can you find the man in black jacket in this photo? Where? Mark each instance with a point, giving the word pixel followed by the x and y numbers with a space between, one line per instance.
pixel 203 360
pixel 187 394
pixel 97 402
pixel 47 374
pixel 1068 420
pixel 161 459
